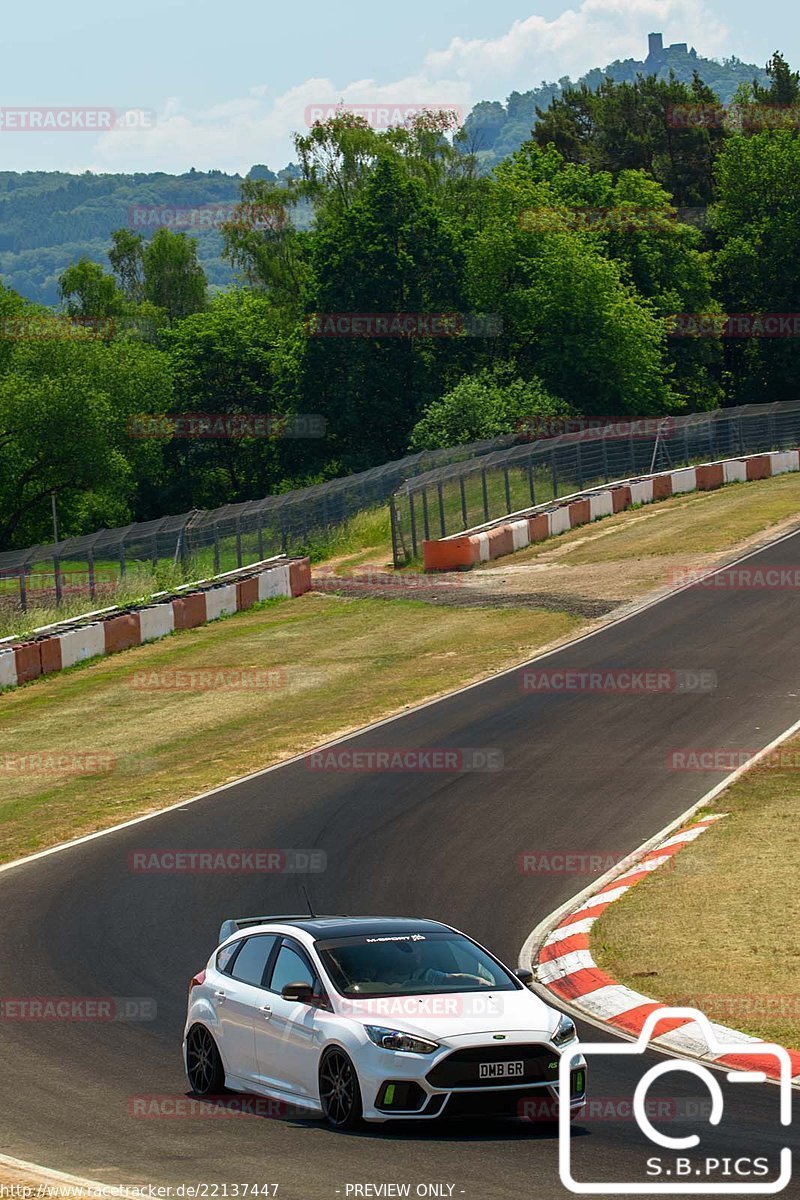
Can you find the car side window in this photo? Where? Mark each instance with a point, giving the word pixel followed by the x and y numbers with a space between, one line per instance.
pixel 250 963
pixel 227 955
pixel 292 967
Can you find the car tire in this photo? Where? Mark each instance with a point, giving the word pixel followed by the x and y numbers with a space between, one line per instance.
pixel 204 1068
pixel 339 1090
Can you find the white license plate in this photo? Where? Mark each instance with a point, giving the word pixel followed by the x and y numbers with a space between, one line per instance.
pixel 501 1070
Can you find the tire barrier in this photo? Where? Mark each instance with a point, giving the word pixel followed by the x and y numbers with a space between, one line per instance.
pixel 462 551
pixel 97 634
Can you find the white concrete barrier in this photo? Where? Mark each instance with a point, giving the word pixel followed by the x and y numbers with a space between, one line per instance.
pixel 8 669
pixel 157 621
pixel 274 582
pixel 520 531
pixel 483 547
pixel 785 460
pixel 642 492
pixel 558 520
pixel 79 644
pixel 684 480
pixel 601 505
pixel 221 601
pixel 735 471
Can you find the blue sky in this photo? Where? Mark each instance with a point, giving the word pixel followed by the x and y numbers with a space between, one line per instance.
pixel 228 84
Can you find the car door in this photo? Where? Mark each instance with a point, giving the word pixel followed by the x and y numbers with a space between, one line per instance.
pixel 237 994
pixel 288 1037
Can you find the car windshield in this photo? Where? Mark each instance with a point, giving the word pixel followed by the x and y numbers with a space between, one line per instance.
pixel 411 964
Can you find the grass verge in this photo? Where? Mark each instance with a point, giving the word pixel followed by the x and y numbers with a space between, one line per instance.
pixel 719 931
pixel 340 664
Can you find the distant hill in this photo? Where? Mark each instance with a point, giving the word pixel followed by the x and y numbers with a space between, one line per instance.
pixel 49 219
pixel 496 130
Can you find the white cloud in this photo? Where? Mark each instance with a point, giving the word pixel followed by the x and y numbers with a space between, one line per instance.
pixel 258 127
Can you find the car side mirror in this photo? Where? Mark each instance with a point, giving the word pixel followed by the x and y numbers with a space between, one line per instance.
pixel 299 993
pixel 524 976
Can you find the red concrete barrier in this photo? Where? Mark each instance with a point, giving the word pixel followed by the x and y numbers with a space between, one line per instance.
pixel 710 477
pixel 246 593
pixel 539 527
pixel 580 513
pixel 759 467
pixel 50 653
pixel 662 487
pixel 29 661
pixel 501 541
pixel 300 576
pixel 456 554
pixel 122 632
pixel 190 611
pixel 621 498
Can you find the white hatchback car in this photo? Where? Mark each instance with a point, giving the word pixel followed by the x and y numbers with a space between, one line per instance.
pixel 374 1018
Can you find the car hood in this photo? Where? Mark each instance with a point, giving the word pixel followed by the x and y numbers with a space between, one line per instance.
pixel 456 1014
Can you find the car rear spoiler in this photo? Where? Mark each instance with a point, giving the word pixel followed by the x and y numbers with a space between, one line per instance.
pixel 228 928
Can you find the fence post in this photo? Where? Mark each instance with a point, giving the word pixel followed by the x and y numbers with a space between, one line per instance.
pixel 23 593
pixel 57 574
pixel 508 488
pixel 633 453
pixel 216 548
pixel 260 536
pixel 554 473
pixel 413 517
pixel 238 541
pixel 605 460
pixel 393 515
pixel 579 465
pixel 464 517
pixel 442 525
pixel 90 566
pixel 485 495
pixel 425 525
pixel 686 445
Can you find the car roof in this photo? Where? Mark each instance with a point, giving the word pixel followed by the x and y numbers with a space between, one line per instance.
pixel 323 928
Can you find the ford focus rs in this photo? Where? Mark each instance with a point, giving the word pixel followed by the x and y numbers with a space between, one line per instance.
pixel 374 1019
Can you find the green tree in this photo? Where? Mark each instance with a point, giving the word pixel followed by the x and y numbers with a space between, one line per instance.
pixel 173 278
pixel 87 291
pixel 127 262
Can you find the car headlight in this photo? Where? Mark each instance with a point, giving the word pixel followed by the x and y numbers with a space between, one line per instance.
pixel 393 1039
pixel 564 1032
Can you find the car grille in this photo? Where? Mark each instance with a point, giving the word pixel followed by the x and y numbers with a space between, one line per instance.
pixel 461 1069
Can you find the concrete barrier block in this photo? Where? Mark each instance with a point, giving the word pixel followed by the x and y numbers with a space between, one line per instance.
pixel 734 471
pixel 300 576
pixel 662 487
pixel 483 547
pixel 222 601
pixel 88 641
pixel 122 632
pixel 521 534
pixel 539 527
pixel 642 491
pixel 621 498
pixel 8 669
pixel 276 581
pixel 247 593
pixel 759 467
pixel 785 460
pixel 29 661
pixel 558 519
pixel 601 504
pixel 710 476
pixel 190 611
pixel 50 651
pixel 580 513
pixel 501 541
pixel 684 480
pixel 156 622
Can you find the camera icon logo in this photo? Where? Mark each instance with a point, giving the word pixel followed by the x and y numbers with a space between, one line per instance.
pixel 684 1176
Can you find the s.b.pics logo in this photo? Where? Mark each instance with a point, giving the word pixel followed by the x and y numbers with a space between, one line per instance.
pixel 686 1148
